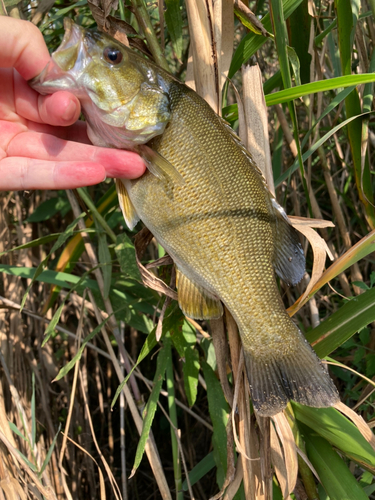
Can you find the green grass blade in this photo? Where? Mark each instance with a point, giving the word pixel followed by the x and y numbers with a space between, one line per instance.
pixel 15 429
pixel 172 408
pixel 219 412
pixel 149 411
pixel 336 478
pixel 105 260
pixel 281 40
pixel 66 369
pixel 200 470
pixel 319 86
pixel 148 346
pixel 299 37
pixel 65 280
pixel 59 243
pixel 343 324
pixel 173 21
pixel 339 431
pixel 49 453
pixel 345 28
pixel 49 208
pixel 313 148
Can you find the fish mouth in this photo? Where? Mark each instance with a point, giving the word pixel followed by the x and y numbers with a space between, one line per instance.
pixel 66 62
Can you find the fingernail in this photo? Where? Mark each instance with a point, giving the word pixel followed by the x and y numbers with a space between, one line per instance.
pixel 70 111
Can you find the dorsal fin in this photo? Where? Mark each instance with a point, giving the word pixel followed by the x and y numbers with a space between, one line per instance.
pixel 289 259
pixel 195 301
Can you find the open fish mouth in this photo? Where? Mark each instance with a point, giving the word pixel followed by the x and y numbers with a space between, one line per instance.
pixel 66 62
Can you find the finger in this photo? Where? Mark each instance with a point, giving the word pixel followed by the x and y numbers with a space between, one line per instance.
pixel 19 173
pixel 22 47
pixel 117 163
pixel 59 109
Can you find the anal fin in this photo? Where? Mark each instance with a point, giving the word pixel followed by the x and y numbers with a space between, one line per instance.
pixel 130 215
pixel 195 301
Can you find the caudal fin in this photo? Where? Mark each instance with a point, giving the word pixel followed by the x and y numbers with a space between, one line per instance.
pixel 299 376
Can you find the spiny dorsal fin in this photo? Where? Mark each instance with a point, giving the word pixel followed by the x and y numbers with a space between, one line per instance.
pixel 130 215
pixel 159 166
pixel 195 301
pixel 288 259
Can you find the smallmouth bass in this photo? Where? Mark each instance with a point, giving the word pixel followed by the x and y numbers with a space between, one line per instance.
pixel 206 203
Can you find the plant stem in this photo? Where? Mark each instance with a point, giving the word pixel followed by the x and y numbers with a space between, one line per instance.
pixel 86 198
pixel 173 416
pixel 145 24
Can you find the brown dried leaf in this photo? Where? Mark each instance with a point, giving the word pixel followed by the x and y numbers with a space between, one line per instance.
pixel 257 139
pixel 306 221
pixel 142 239
pixel 286 437
pixel 242 11
pixel 236 483
pixel 202 49
pixel 320 249
pixel 117 28
pixel 278 463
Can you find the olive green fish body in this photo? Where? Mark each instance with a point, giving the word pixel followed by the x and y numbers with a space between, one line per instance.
pixel 205 201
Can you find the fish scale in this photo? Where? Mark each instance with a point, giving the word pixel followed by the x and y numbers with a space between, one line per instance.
pixel 205 201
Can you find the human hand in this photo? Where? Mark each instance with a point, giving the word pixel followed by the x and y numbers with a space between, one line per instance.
pixel 42 145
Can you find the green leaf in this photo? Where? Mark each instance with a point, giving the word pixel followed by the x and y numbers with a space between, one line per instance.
pixel 15 429
pixel 173 20
pixel 336 478
pixel 339 431
pixel 219 412
pixel 319 86
pixel 59 243
pixel 191 371
pixel 299 24
pixel 125 252
pixel 66 369
pixel 200 470
pixel 149 411
pixel 294 61
pixel 343 324
pixel 148 346
pixel 184 340
pixel 49 208
pixel 105 260
pixel 49 453
pixel 52 277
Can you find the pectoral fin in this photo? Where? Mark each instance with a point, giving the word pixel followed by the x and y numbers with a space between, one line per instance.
pixel 130 215
pixel 289 259
pixel 160 167
pixel 195 301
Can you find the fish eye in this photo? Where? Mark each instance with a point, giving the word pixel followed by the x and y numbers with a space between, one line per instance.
pixel 112 55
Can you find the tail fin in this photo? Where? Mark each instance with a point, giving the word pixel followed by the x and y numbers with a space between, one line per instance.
pixel 299 376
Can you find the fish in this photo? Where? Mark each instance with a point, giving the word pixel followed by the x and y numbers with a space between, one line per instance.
pixel 206 203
